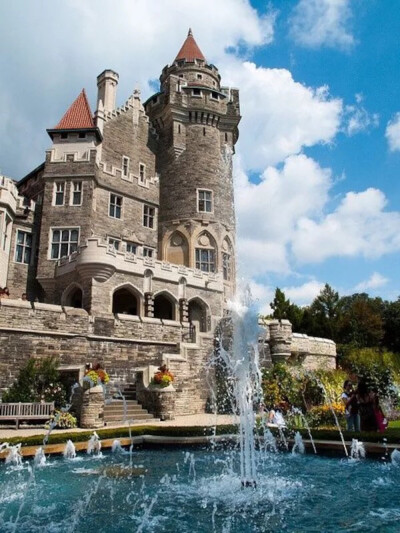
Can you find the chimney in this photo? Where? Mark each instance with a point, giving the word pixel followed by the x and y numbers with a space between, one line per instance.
pixel 107 83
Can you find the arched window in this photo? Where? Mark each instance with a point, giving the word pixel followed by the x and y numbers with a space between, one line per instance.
pixel 198 313
pixel 177 251
pixel 125 302
pixel 206 256
pixel 164 307
pixel 73 297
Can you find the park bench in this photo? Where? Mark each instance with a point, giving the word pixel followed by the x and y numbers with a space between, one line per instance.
pixel 26 411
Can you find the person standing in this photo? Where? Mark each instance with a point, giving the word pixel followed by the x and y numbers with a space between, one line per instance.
pixel 366 403
pixel 351 407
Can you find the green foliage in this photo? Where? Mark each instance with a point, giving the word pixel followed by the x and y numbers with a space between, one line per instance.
pixel 64 420
pixel 378 368
pixel 38 380
pixel 322 416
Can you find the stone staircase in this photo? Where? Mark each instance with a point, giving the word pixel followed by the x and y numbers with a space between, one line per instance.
pixel 114 411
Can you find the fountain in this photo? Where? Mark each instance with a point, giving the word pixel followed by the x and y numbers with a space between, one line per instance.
pixel 94 445
pixel 395 457
pixel 69 450
pixel 357 450
pixel 14 456
pixel 298 446
pixel 40 458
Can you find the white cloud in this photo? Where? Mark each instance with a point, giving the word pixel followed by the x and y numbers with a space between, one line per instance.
pixel 317 23
pixel 282 115
pixel 357 119
pixel 268 212
pixel 304 294
pixel 359 226
pixel 393 133
pixel 136 39
pixel 375 281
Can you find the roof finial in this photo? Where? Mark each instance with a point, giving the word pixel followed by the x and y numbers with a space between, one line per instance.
pixel 190 32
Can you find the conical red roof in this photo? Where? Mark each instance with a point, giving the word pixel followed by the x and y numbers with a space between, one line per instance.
pixel 78 116
pixel 190 51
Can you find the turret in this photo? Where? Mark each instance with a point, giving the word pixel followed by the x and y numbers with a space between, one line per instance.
pixel 196 121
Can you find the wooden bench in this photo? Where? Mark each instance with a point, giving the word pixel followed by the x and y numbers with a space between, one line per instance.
pixel 26 411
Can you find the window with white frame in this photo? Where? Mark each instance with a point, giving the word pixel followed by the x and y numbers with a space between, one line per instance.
pixel 113 243
pixel 148 216
pixel 115 207
pixel 142 172
pixel 125 166
pixel 204 201
pixel 76 193
pixel 64 241
pixel 131 248
pixel 59 192
pixel 23 247
pixel 148 252
pixel 205 260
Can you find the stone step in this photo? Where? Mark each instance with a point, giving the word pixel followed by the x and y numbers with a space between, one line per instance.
pixel 120 410
pixel 137 416
pixel 119 401
pixel 121 421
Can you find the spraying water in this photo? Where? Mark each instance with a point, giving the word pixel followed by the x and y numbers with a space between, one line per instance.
pixel 395 457
pixel 357 450
pixel 69 450
pixel 298 446
pixel 241 361
pixel 306 425
pixel 94 445
pixel 40 458
pixel 334 416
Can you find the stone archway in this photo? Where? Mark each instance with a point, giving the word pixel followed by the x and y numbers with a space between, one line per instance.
pixel 125 302
pixel 164 307
pixel 177 249
pixel 198 313
pixel 73 297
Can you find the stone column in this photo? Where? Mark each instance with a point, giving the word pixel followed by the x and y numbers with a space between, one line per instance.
pixel 280 340
pixel 159 401
pixel 92 410
pixel 149 304
pixel 183 310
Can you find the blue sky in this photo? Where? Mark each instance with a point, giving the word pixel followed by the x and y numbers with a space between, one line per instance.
pixel 317 163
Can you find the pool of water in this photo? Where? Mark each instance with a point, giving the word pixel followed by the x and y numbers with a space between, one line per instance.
pixel 199 490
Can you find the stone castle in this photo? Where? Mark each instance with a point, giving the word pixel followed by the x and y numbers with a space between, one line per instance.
pixel 124 238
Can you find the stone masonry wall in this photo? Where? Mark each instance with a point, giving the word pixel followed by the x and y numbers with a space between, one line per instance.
pixel 123 345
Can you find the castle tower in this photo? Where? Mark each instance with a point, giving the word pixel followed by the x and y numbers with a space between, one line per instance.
pixel 197 125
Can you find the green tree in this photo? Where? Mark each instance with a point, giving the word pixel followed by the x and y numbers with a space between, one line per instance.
pixel 391 319
pixel 326 311
pixel 280 305
pixel 361 322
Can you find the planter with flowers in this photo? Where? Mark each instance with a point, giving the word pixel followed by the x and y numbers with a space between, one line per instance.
pixel 159 397
pixel 92 410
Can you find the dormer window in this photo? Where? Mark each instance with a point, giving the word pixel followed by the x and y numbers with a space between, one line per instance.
pixel 64 135
pixel 125 166
pixel 82 135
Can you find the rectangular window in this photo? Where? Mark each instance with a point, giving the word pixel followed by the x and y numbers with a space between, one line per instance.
pixel 114 244
pixel 115 207
pixel 59 191
pixel 204 201
pixel 76 193
pixel 64 242
pixel 131 248
pixel 125 166
pixel 148 216
pixel 196 92
pixel 205 260
pixel 148 252
pixel 23 248
pixel 142 172
pixel 214 95
pixel 226 266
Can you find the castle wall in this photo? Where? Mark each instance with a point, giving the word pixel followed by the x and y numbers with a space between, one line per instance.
pixel 123 344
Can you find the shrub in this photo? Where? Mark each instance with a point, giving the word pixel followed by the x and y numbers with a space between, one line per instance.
pixel 64 420
pixel 321 415
pixel 38 380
